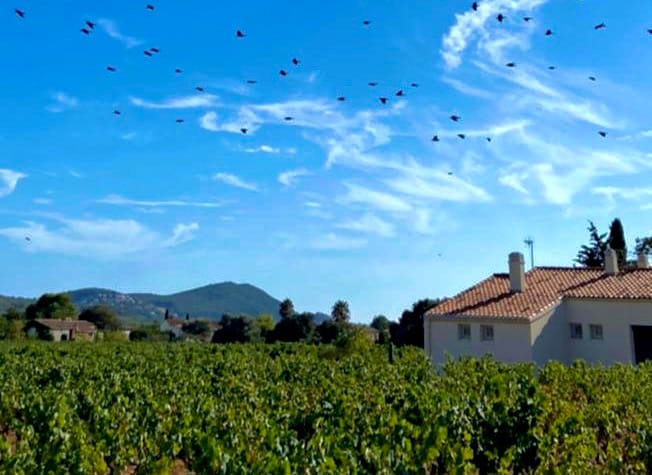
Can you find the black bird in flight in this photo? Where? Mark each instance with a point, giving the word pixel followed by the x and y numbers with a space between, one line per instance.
pixel 366 23
pixel 383 100
pixel 288 118
pixel 462 136
pixel 399 93
pixel 341 98
pixel 475 6
pixel 373 84
pixel 510 65
pixel 592 78
pixel 28 239
pixel 527 18
pixel 90 24
pixel 111 68
pixel 200 89
pixel 414 84
pixel 19 13
pixel 435 138
pixel 488 139
pixel 283 72
pixel 548 32
pixel 244 131
pixel 239 34
pixel 180 121
pixel 86 31
pixel 295 61
pixel 116 112
pixel 602 133
pixel 147 53
pixel 449 174
pixel 456 118
pixel 601 26
pixel 155 50
pixel 500 17
pixel 650 31
pixel 552 68
pixel 178 71
pixel 251 81
pixel 149 7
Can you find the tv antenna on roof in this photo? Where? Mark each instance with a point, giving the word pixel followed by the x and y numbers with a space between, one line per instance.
pixel 529 242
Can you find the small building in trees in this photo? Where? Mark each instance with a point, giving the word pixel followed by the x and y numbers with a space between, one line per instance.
pixel 549 313
pixel 61 330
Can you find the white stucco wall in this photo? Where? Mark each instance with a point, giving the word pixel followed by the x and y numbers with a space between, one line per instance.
pixel 511 341
pixel 549 336
pixel 616 318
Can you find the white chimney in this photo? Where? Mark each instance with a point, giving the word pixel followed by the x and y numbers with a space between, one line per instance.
pixel 642 262
pixel 611 262
pixel 516 272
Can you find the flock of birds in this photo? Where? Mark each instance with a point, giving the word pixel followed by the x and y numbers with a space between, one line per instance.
pixel 89 26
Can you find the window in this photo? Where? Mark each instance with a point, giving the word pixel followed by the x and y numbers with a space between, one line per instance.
pixel 487 332
pixel 596 332
pixel 464 331
pixel 576 331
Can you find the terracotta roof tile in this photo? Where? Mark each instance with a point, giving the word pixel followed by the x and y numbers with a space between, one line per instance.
pixel 77 325
pixel 544 287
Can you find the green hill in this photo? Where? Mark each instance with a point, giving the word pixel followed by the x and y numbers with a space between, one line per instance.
pixel 213 301
pixel 209 302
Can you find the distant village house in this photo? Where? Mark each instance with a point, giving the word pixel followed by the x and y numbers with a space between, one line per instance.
pixel 61 330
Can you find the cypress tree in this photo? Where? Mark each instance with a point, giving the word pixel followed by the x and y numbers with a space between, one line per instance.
pixel 617 242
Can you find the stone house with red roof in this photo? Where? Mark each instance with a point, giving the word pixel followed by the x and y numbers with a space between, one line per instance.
pixel 548 313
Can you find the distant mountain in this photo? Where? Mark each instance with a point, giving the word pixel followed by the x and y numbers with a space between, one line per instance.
pixel 18 303
pixel 213 301
pixel 209 302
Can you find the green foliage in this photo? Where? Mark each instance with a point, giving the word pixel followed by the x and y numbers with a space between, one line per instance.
pixel 409 330
pixel 57 306
pixel 340 312
pixel 286 309
pixel 328 331
pixel 13 314
pixel 196 328
pixel 102 316
pixel 208 409
pixel 644 245
pixel 139 334
pixel 616 241
pixel 240 329
pixel 298 328
pixel 266 324
pixel 11 328
pixel 592 254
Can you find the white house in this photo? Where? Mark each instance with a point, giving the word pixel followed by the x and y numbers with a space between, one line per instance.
pixel 548 313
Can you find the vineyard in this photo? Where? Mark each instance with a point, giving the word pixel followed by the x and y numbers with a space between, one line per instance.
pixel 189 408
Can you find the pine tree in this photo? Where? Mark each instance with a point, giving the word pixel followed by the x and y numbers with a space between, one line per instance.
pixel 592 255
pixel 286 309
pixel 617 242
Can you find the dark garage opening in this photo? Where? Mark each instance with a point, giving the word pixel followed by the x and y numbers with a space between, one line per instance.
pixel 642 343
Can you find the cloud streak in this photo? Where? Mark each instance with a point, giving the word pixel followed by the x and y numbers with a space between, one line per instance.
pixel 9 180
pixel 197 101
pixel 235 181
pixel 119 200
pixel 111 29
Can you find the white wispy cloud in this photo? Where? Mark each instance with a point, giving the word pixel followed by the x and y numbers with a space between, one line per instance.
pixel 335 242
pixel 263 149
pixel 95 238
pixel 375 199
pixel 111 28
pixel 62 102
pixel 196 101
pixel 369 224
pixel 472 25
pixel 630 194
pixel 289 178
pixel 233 180
pixel 467 89
pixel 9 180
pixel 42 201
pixel 119 200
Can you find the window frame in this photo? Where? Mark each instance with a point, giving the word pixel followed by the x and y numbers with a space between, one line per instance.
pixel 462 333
pixel 484 336
pixel 574 335
pixel 593 334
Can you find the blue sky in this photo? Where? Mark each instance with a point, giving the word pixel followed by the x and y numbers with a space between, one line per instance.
pixel 350 199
